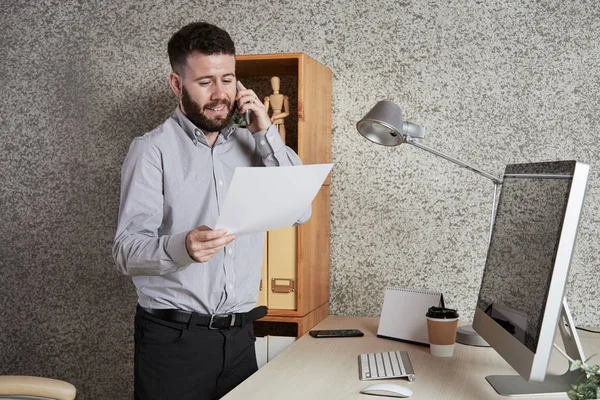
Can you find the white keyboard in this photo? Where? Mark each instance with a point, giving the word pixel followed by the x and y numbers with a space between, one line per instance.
pixel 385 365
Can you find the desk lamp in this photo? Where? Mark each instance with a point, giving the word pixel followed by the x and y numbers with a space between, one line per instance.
pixel 383 125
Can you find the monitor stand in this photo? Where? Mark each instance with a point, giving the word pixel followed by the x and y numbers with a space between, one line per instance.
pixel 465 334
pixel 514 385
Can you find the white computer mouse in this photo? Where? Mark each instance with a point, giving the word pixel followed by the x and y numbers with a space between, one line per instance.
pixel 387 389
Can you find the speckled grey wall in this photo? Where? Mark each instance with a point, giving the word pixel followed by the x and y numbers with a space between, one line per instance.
pixel 493 82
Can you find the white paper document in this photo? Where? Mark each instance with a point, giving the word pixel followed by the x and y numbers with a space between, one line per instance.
pixel 261 199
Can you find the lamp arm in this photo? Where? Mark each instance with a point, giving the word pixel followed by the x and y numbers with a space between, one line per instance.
pixel 494 205
pixel 497 181
pixel 415 143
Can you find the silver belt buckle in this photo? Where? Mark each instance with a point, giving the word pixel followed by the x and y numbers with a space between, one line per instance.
pixel 212 319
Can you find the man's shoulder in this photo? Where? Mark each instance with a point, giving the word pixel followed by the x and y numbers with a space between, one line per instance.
pixel 163 133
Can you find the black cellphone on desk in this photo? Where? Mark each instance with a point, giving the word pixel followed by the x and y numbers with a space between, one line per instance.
pixel 330 333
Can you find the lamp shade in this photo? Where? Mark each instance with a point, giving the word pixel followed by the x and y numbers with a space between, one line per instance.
pixel 383 124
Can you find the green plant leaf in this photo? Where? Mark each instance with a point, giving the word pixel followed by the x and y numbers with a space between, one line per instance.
pixel 588 385
pixel 237 120
pixel 575 365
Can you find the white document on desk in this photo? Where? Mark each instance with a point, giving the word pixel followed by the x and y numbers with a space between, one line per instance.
pixel 261 199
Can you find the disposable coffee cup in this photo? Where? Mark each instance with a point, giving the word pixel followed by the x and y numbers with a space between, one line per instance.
pixel 441 328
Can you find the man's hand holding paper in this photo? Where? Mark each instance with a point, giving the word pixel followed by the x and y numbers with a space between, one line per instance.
pixel 203 243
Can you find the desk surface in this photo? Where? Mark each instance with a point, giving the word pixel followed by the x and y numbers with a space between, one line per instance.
pixel 317 369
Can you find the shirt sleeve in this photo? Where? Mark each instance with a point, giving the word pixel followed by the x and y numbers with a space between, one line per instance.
pixel 138 249
pixel 275 153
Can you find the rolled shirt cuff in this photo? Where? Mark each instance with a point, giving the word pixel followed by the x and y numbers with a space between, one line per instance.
pixel 268 142
pixel 176 249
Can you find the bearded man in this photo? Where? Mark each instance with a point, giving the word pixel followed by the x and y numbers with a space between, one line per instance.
pixel 197 287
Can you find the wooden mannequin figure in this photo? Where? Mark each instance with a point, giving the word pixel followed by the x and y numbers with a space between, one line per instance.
pixel 280 105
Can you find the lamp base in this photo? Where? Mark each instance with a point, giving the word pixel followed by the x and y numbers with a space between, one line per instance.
pixel 466 335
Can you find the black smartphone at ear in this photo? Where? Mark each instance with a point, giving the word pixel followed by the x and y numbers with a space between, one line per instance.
pixel 331 333
pixel 247 113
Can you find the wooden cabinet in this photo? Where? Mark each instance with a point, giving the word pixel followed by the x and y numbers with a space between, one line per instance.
pixel 295 283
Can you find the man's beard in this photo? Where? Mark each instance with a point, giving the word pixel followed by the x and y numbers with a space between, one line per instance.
pixel 198 118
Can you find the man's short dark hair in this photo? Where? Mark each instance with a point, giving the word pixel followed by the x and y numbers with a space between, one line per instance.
pixel 199 37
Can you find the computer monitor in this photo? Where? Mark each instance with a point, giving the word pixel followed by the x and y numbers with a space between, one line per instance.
pixel 521 299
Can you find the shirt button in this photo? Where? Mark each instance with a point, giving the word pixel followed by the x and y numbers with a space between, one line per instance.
pixel 229 286
pixel 262 142
pixel 229 251
pixel 220 182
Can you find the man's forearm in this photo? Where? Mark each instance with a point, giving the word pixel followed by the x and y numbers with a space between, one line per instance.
pixel 138 254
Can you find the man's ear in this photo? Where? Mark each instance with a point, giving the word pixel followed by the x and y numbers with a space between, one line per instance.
pixel 176 83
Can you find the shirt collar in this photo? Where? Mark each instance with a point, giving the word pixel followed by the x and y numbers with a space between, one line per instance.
pixel 194 132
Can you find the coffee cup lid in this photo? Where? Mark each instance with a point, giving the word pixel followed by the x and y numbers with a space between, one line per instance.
pixel 441 313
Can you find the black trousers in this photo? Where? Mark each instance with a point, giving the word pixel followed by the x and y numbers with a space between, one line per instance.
pixel 177 362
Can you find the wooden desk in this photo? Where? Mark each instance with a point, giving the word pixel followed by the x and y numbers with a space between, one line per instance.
pixel 327 369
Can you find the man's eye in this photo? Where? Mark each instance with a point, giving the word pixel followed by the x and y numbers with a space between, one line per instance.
pixel 204 83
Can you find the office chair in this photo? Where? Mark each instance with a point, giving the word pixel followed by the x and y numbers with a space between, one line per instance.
pixel 13 387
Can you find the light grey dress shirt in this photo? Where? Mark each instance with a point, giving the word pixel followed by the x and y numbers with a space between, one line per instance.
pixel 172 181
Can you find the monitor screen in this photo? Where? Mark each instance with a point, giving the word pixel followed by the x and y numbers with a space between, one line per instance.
pixel 522 252
pixel 523 283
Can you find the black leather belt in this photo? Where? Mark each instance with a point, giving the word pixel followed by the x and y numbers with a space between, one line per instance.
pixel 212 321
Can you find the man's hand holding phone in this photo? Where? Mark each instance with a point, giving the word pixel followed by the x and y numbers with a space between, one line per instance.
pixel 247 100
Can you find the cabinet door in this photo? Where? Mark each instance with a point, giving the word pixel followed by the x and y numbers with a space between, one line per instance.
pixel 261 348
pixel 277 344
pixel 269 347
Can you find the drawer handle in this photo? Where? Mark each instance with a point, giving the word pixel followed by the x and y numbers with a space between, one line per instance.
pixel 282 285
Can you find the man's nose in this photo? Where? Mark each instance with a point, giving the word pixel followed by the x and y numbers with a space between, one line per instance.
pixel 218 91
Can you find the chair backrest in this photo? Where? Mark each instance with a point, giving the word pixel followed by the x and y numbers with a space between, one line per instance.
pixel 16 387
